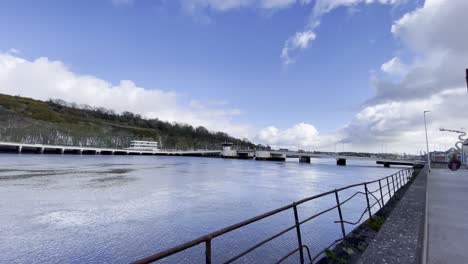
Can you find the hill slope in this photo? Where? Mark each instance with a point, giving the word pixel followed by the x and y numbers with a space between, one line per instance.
pixel 57 122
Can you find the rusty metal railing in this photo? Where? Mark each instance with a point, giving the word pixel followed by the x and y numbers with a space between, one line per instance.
pixel 391 184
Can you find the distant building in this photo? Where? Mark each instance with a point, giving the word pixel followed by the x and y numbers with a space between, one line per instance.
pixel 439 156
pixel 143 145
pixel 227 146
pixel 227 151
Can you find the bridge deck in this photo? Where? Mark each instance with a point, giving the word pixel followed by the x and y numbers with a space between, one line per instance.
pixel 289 154
pixel 95 149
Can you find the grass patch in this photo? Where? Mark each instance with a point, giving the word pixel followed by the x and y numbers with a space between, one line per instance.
pixel 376 222
pixel 334 258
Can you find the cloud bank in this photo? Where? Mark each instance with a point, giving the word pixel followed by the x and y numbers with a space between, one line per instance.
pixel 434 80
pixel 44 79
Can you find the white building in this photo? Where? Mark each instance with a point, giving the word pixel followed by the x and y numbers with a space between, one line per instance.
pixel 143 145
pixel 227 151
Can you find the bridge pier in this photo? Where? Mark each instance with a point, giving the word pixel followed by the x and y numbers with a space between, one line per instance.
pixel 304 159
pixel 245 155
pixel 19 149
pixel 267 155
pixel 341 162
pixel 387 164
pixel 62 151
pixel 228 153
pixel 262 155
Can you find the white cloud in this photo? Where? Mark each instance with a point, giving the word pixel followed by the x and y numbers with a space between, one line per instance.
pixel 300 40
pixel 435 81
pixel 321 8
pixel 43 79
pixel 299 136
pixel 394 67
pixel 324 6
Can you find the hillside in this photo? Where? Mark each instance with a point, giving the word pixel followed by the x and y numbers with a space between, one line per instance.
pixel 58 122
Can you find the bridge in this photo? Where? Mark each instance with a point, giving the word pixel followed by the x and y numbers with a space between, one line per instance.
pixel 13 147
pixel 281 155
pixel 270 155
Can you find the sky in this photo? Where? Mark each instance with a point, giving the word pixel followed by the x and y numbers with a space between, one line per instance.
pixel 352 75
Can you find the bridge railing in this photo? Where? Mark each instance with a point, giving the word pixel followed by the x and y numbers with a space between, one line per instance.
pixel 377 193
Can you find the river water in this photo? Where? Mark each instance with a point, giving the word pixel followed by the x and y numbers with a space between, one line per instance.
pixel 115 209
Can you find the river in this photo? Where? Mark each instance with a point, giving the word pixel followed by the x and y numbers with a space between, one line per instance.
pixel 114 209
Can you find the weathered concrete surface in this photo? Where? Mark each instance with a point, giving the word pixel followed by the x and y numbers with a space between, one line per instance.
pixel 448 216
pixel 400 239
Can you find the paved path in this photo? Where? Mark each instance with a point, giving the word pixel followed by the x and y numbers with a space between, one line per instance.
pixel 400 238
pixel 448 216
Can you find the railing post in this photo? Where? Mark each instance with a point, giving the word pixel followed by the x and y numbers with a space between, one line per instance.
pixel 208 251
pixel 389 193
pixel 401 183
pixel 343 231
pixel 393 184
pixel 298 230
pixel 381 193
pixel 397 181
pixel 367 198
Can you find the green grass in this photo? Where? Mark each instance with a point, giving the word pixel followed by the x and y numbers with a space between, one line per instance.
pixel 376 222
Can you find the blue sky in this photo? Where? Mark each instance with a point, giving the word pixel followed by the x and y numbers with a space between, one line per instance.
pixel 225 58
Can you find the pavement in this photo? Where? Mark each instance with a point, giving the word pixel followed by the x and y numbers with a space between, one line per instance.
pixel 447 216
pixel 400 239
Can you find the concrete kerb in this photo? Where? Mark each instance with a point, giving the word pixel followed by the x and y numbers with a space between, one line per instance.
pixel 424 252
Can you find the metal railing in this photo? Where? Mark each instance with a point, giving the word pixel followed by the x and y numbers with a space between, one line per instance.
pixel 384 187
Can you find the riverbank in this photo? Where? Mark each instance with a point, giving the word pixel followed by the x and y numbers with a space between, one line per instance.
pixel 394 235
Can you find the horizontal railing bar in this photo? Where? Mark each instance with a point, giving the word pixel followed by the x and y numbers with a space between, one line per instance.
pixel 375 198
pixel 374 204
pixel 389 176
pixel 323 251
pixel 260 244
pixel 287 255
pixel 373 191
pixel 350 186
pixel 294 251
pixel 359 220
pixel 318 214
pixel 349 198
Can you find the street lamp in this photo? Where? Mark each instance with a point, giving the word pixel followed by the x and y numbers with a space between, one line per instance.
pixel 427 142
pixel 466 78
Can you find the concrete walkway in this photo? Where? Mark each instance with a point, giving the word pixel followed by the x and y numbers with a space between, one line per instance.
pixel 447 216
pixel 400 238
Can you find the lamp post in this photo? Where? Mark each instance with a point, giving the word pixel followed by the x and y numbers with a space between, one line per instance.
pixel 427 142
pixel 466 77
